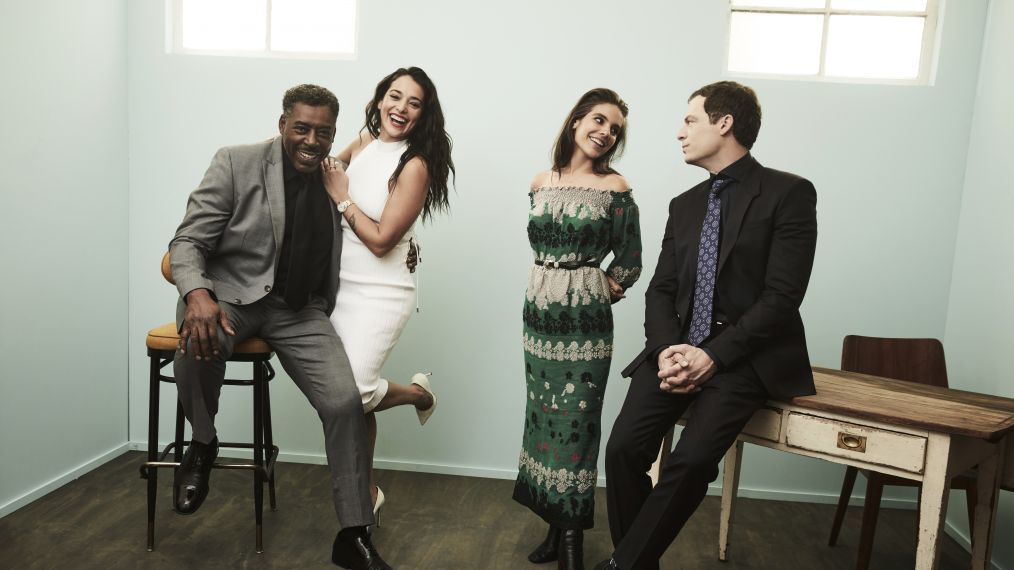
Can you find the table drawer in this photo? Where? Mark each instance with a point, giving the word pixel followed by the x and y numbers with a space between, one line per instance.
pixel 766 423
pixel 856 441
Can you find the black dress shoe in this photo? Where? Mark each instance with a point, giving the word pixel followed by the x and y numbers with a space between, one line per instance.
pixel 571 550
pixel 354 550
pixel 190 486
pixel 607 565
pixel 547 551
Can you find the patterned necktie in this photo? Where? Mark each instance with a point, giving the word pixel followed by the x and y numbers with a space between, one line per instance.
pixel 707 266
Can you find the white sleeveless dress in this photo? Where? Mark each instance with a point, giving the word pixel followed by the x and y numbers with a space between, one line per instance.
pixel 376 295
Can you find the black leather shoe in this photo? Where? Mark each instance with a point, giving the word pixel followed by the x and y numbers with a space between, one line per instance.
pixel 606 565
pixel 190 486
pixel 571 551
pixel 547 551
pixel 354 550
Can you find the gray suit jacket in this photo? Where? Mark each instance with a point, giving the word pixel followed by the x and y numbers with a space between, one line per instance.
pixel 231 236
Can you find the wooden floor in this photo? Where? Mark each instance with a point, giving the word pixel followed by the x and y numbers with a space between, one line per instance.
pixel 429 522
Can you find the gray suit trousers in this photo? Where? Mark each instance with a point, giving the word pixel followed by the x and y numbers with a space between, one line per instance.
pixel 312 354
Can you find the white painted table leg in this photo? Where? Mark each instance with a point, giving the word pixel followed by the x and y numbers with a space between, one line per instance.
pixel 985 509
pixel 656 467
pixel 730 486
pixel 935 489
pixel 663 453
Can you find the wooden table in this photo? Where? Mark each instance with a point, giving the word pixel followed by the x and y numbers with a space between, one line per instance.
pixel 915 431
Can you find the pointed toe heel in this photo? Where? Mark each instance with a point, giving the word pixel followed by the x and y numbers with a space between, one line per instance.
pixel 423 381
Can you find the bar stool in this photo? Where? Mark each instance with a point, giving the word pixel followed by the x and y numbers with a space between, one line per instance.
pixel 161 343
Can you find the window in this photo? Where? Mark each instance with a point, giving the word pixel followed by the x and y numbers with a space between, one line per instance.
pixel 881 40
pixel 264 28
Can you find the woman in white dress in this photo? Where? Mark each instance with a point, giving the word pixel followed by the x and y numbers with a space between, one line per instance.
pixel 398 168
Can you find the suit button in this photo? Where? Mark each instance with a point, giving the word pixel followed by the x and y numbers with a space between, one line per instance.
pixel 267 288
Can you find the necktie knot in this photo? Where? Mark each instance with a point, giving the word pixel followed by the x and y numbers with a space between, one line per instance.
pixel 718 183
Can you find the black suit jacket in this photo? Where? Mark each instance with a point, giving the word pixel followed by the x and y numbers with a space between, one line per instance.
pixel 767 247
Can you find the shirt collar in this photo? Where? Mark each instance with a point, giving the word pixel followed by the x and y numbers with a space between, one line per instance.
pixel 738 170
pixel 289 172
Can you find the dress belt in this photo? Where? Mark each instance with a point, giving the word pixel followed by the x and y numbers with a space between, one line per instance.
pixel 566 264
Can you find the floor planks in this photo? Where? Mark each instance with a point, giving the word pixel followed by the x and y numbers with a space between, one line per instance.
pixel 430 522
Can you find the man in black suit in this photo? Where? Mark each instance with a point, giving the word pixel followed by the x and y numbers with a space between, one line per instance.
pixel 721 320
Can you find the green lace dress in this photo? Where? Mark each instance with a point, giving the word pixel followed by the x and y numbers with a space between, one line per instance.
pixel 568 343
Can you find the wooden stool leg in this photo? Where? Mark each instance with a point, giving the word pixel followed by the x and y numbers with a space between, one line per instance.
pixel 971 498
pixel 180 421
pixel 987 489
pixel 843 502
pixel 269 444
pixel 871 510
pixel 152 472
pixel 258 452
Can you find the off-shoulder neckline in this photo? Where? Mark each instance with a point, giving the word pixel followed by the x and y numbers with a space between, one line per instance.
pixel 587 188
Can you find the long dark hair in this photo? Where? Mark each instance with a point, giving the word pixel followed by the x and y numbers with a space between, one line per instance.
pixel 428 140
pixel 563 150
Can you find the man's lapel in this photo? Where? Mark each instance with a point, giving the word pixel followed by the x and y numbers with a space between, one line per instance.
pixel 696 208
pixel 747 191
pixel 274 185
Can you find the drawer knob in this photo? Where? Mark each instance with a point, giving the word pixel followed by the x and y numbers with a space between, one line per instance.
pixel 852 442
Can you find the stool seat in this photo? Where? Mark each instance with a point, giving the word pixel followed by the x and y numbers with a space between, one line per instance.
pixel 166 337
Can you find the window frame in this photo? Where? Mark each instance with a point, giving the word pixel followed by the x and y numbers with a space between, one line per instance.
pixel 174 39
pixel 929 47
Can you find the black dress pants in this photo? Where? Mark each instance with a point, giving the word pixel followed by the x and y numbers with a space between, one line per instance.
pixel 643 521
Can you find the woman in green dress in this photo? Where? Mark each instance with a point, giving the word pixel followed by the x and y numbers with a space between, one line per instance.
pixel 581 210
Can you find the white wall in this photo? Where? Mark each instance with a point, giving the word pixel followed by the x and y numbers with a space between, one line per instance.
pixel 888 163
pixel 63 329
pixel 978 335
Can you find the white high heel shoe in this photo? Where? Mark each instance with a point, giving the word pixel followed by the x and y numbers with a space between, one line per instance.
pixel 377 505
pixel 423 381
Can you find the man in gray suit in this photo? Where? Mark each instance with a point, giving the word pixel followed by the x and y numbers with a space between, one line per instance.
pixel 257 254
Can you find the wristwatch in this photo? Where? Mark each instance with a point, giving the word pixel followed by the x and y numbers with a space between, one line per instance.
pixel 343 205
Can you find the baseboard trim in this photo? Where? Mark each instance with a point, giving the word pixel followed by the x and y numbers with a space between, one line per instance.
pixel 61 480
pixel 495 473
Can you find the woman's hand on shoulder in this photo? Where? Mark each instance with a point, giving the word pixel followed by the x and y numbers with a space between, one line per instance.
pixel 335 181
